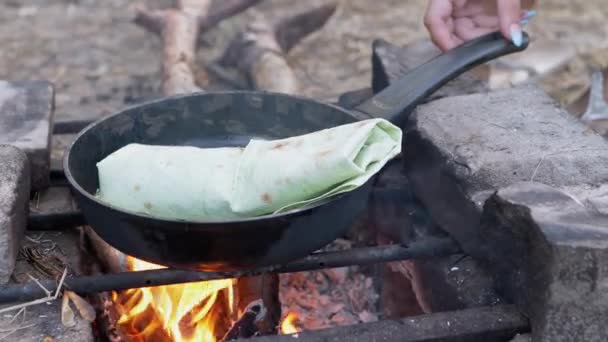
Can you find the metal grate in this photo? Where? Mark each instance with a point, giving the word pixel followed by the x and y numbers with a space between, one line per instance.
pixel 494 323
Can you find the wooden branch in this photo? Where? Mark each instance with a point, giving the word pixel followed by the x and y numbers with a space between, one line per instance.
pixel 264 288
pixel 179 29
pixel 260 50
pixel 111 259
pixel 150 20
pixel 222 9
pixel 256 53
pixel 180 36
pixel 246 325
pixel 290 31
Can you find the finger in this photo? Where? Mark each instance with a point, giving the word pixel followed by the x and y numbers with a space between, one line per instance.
pixel 469 9
pixel 509 16
pixel 466 29
pixel 437 23
pixel 489 21
pixel 457 40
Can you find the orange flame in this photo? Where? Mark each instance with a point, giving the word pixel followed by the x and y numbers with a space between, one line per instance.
pixel 179 313
pixel 288 326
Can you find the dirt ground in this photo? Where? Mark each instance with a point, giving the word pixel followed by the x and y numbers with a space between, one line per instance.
pixel 100 61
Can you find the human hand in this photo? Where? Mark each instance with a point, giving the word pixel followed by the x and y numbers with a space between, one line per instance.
pixel 453 22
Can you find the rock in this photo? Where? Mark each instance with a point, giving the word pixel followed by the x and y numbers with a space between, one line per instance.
pixel 26 120
pixel 549 255
pixel 455 283
pixel 522 338
pixel 396 214
pixel 460 145
pixel 14 199
pixel 459 150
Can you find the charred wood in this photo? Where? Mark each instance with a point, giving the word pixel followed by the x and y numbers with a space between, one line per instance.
pixel 247 325
pixel 179 29
pixel 260 50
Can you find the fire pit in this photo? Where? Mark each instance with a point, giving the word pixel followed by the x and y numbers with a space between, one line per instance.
pixel 416 267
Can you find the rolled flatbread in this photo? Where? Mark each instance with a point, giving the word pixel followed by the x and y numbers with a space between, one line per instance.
pixel 197 184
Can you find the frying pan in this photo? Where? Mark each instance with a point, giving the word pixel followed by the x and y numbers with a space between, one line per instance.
pixel 227 119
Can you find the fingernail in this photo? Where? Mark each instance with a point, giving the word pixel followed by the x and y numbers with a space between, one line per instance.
pixel 516 35
pixel 524 22
pixel 530 14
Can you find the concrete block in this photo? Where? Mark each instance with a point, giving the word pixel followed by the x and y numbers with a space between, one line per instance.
pixel 14 199
pixel 26 121
pixel 440 284
pixel 522 338
pixel 549 254
pixel 460 145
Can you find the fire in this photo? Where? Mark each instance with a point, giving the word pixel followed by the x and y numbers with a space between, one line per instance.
pixel 288 326
pixel 180 313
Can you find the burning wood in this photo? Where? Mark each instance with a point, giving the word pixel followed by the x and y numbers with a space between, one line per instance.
pixel 288 326
pixel 186 312
pixel 247 325
pixel 203 311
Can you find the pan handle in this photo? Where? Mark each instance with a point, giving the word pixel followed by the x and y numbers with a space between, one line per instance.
pixel 396 102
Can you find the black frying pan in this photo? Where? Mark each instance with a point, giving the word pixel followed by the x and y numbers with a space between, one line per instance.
pixel 232 119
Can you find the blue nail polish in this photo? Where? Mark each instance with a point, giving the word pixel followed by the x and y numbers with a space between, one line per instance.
pixel 524 22
pixel 530 14
pixel 516 35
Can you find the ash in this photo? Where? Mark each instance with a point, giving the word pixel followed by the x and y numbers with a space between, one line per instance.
pixel 330 297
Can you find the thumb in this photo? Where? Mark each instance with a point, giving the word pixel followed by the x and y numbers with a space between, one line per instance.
pixel 509 15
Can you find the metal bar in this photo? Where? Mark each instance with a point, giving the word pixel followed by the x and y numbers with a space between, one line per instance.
pixel 55 220
pixel 490 323
pixel 121 281
pixel 58 178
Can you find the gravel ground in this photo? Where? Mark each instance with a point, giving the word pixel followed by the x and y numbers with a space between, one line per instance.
pixel 100 61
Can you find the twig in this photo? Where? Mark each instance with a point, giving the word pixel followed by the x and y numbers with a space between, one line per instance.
pixel 560 152
pixel 17 328
pixel 22 310
pixel 40 300
pixel 14 330
pixel 48 293
pixel 7 335
pixel 65 272
pixel 35 239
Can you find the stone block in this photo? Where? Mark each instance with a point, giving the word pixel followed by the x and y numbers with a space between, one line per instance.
pixel 457 146
pixel 26 121
pixel 439 284
pixel 14 199
pixel 522 338
pixel 548 251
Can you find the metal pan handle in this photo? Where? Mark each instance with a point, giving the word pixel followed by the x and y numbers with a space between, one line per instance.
pixel 396 102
